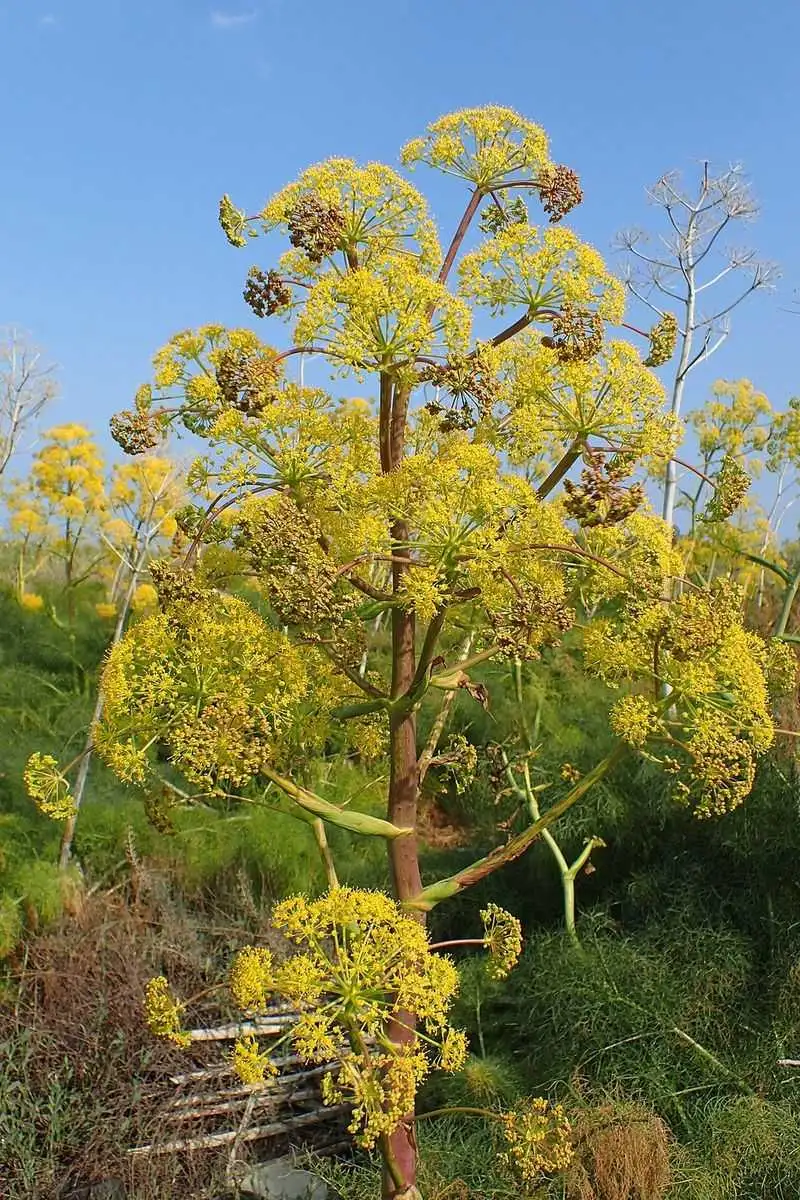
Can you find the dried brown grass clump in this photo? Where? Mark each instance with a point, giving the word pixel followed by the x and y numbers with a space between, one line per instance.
pixel 622 1153
pixel 73 1033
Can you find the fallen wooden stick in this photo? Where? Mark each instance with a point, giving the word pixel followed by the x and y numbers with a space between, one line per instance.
pixel 287 1060
pixel 227 1033
pixel 276 1090
pixel 206 1141
pixel 251 1101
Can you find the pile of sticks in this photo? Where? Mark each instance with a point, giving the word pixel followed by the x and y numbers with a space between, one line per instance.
pixel 209 1108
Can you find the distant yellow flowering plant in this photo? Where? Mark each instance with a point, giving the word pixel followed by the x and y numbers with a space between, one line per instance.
pixel 55 513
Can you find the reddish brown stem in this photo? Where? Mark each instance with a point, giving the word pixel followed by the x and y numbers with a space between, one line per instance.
pixel 512 330
pixel 401 1147
pixel 460 234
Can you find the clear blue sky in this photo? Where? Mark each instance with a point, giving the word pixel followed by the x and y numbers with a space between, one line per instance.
pixel 125 120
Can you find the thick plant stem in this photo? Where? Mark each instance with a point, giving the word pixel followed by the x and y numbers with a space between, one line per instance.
pixel 400 1158
pixel 399 1151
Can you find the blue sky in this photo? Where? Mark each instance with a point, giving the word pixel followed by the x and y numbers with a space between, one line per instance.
pixel 125 120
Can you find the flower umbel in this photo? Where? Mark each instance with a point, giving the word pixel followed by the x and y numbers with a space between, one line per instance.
pixel 249 1063
pixel 537 1139
pixel 361 961
pixel 251 978
pixel 730 488
pixel 663 338
pixel 47 787
pixel 164 1012
pixel 503 940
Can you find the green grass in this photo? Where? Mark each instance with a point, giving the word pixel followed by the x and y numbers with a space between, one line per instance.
pixel 685 994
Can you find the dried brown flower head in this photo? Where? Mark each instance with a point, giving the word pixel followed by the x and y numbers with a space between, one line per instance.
pixel 266 292
pixel 560 191
pixel 134 431
pixel 315 228
pixel 600 498
pixel 577 334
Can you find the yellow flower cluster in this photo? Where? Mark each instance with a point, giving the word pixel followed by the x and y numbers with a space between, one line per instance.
pixel 634 718
pixel 380 1089
pixel 360 962
pixel 537 1140
pixel 721 766
pixel 212 369
pixel 736 419
pixel 382 321
pixel 222 690
pixel 145 598
pixel 164 1013
pixel 383 217
pixel 718 711
pixel 731 485
pixel 249 1063
pixel 612 397
pixel 537 270
pixel 487 146
pixel 663 338
pixel 503 940
pixel 32 601
pixel 781 668
pixel 105 611
pixel 47 787
pixel 423 592
pixel 251 978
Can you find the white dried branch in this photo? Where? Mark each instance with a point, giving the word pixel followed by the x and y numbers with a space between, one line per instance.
pixel 278 1088
pixel 252 1101
pixel 228 1033
pixel 274 1129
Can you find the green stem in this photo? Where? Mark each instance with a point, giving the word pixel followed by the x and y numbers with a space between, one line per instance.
pixel 461 1109
pixel 788 601
pixel 356 822
pixel 320 837
pixel 451 678
pixel 559 470
pixel 432 895
pixel 742 1084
